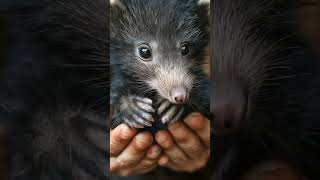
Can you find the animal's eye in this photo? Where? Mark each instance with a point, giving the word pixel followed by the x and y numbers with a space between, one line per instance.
pixel 144 52
pixel 185 49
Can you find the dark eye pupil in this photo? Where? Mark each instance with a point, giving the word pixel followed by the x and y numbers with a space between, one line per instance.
pixel 145 53
pixel 185 49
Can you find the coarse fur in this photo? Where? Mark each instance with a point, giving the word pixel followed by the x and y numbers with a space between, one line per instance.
pixel 54 89
pixel 254 44
pixel 140 90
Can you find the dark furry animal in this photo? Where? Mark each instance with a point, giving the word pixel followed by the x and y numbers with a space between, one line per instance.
pixel 157 49
pixel 54 89
pixel 265 89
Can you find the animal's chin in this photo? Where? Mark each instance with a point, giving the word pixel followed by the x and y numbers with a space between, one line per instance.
pixel 239 125
pixel 231 109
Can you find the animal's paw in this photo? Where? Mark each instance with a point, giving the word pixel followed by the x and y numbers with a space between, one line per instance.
pixel 135 111
pixel 169 112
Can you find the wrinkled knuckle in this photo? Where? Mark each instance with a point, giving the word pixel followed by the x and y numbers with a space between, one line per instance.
pixel 192 148
pixel 192 145
pixel 140 146
pixel 167 143
pixel 182 136
pixel 179 159
pixel 148 163
pixel 123 136
pixel 141 143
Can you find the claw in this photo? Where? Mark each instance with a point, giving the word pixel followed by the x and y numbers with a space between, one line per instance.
pixel 164 105
pixel 159 101
pixel 144 100
pixel 132 123
pixel 135 111
pixel 178 116
pixel 141 120
pixel 146 116
pixel 145 107
pixel 169 114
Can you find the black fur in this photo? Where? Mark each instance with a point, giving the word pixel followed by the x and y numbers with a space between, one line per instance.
pixel 166 23
pixel 254 43
pixel 54 89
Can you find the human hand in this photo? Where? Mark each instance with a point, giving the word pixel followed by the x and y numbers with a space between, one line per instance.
pixel 186 144
pixel 132 153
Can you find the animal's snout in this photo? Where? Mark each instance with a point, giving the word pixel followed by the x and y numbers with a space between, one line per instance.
pixel 178 94
pixel 229 107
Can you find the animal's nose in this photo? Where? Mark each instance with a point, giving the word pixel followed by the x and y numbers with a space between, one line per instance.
pixel 228 107
pixel 178 94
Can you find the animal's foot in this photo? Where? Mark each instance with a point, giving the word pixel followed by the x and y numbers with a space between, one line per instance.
pixel 169 112
pixel 134 111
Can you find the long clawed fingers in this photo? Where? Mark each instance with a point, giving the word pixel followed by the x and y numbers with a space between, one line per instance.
pixel 169 112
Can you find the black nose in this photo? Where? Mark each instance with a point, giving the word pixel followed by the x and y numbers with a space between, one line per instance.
pixel 228 105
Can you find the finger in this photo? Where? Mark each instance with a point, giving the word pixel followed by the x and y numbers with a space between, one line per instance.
pixel 136 150
pixel 168 115
pixel 149 162
pixel 130 172
pixel 120 138
pixel 187 140
pixel 141 120
pixel 164 105
pixel 164 161
pixel 144 171
pixel 201 125
pixel 188 166
pixel 164 139
pixel 153 153
pixel 144 115
pixel 177 116
pixel 114 165
pixel 144 100
pixel 146 107
pixel 150 159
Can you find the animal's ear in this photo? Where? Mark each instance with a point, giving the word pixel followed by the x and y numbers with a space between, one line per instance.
pixel 202 11
pixel 204 2
pixel 117 4
pixel 117 9
pixel 197 2
pixel 114 2
pixel 203 6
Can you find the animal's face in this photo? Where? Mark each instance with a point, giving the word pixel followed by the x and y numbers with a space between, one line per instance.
pixel 252 61
pixel 158 44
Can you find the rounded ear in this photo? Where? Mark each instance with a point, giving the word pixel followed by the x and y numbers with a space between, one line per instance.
pixel 202 10
pixel 117 4
pixel 117 13
pixel 117 8
pixel 198 2
pixel 204 2
pixel 113 2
